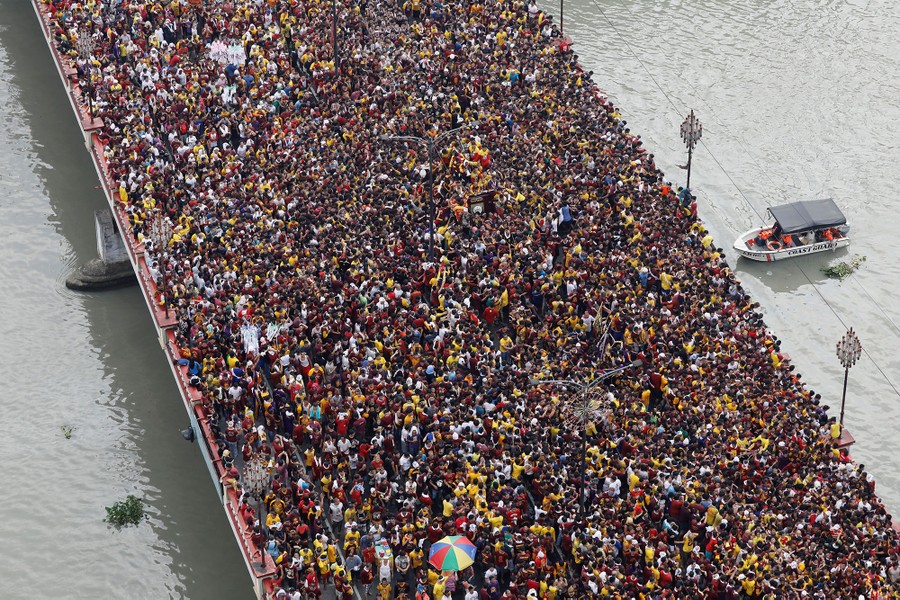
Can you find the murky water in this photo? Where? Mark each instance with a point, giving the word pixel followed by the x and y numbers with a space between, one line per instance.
pixel 89 361
pixel 797 98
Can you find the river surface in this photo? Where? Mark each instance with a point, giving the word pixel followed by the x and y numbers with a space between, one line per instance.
pixel 797 100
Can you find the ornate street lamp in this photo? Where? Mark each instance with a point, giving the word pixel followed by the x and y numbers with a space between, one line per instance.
pixel 584 407
pixel 334 41
pixel 691 132
pixel 84 45
pixel 160 233
pixel 561 7
pixel 848 352
pixel 256 478
pixel 431 145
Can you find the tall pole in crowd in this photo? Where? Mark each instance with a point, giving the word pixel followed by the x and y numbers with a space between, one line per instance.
pixel 848 352
pixel 84 45
pixel 334 34
pixel 691 132
pixel 561 2
pixel 161 233
pixel 584 407
pixel 430 146
pixel 256 479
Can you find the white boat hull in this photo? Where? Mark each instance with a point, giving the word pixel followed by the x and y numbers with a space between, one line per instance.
pixel 760 254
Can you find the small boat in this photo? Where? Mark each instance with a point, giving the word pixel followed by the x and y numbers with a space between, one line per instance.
pixel 800 228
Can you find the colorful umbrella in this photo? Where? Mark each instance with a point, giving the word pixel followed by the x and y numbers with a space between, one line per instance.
pixel 452 553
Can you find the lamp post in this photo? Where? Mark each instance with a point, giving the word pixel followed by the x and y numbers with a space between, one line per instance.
pixel 160 233
pixel 84 45
pixel 187 329
pixel 561 17
pixel 334 35
pixel 691 132
pixel 430 145
pixel 848 352
pixel 256 480
pixel 583 408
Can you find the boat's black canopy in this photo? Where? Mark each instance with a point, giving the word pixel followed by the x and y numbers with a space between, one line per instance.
pixel 807 215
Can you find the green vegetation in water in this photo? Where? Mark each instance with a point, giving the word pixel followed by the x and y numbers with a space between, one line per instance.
pixel 128 512
pixel 67 431
pixel 844 269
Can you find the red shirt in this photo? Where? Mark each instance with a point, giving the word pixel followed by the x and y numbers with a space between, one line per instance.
pixel 434 533
pixel 312 581
pixel 342 425
pixel 246 512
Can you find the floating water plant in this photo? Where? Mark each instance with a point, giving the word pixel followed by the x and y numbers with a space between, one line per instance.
pixel 844 269
pixel 128 512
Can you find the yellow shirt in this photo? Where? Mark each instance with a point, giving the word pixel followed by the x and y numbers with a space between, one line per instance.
pixel 835 431
pixel 415 558
pixel 688 545
pixel 665 281
pixel 384 590
pixel 352 537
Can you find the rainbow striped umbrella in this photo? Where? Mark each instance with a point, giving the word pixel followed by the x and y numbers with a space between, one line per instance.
pixel 452 553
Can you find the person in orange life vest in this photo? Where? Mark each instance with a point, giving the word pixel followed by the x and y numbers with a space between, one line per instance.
pixel 763 238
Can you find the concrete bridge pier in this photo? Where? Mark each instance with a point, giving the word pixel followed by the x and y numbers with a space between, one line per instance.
pixel 112 267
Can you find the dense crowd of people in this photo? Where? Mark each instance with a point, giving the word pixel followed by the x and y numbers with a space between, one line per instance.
pixel 397 399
